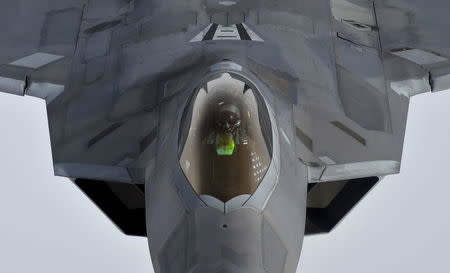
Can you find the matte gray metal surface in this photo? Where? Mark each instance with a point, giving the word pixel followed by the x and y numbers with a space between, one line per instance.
pixel 336 76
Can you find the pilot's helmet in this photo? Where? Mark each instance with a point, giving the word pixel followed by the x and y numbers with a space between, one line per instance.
pixel 228 117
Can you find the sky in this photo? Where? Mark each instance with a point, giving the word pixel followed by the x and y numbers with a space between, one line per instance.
pixel 48 225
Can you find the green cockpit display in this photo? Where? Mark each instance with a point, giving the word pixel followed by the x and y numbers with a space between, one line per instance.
pixel 225 144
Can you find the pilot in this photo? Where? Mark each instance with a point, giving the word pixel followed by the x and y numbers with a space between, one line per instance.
pixel 227 129
pixel 228 118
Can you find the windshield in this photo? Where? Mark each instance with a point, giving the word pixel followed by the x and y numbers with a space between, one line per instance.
pixel 225 153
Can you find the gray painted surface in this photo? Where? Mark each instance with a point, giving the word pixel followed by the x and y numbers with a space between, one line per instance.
pixel 70 234
pixel 339 73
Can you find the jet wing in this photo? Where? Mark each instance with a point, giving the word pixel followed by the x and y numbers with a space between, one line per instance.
pixel 385 51
pixel 351 115
pixel 103 68
pixel 415 31
pixel 37 45
pixel 102 79
pixel 346 68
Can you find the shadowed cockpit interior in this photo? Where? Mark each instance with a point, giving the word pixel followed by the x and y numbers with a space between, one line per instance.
pixel 225 154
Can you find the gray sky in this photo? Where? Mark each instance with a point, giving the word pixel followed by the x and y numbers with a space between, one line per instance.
pixel 48 225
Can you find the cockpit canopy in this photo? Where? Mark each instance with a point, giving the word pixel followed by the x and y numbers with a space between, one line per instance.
pixel 226 149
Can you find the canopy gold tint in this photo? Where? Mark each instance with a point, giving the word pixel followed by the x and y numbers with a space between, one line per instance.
pixel 225 162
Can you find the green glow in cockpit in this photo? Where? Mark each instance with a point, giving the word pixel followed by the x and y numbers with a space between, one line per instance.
pixel 225 144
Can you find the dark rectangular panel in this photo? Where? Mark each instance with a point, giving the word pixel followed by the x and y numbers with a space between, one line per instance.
pixel 349 132
pixel 210 34
pixel 323 220
pixel 123 203
pixel 148 139
pixel 103 134
pixel 306 140
pixel 242 32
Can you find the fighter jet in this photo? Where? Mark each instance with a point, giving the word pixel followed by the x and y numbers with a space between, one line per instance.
pixel 225 131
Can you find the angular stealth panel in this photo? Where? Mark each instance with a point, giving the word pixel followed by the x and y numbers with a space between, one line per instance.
pixel 274 252
pixel 61 28
pixel 362 103
pixel 124 204
pixel 173 257
pixel 37 60
pixel 217 32
pixel 252 35
pixel 44 90
pixel 329 202
pixel 228 33
pixel 148 139
pixel 238 259
pixel 419 56
pixel 305 139
pixel 94 172
pixel 353 11
pixel 103 133
pixel 349 132
pixel 12 86
pixel 95 69
pixel 97 45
